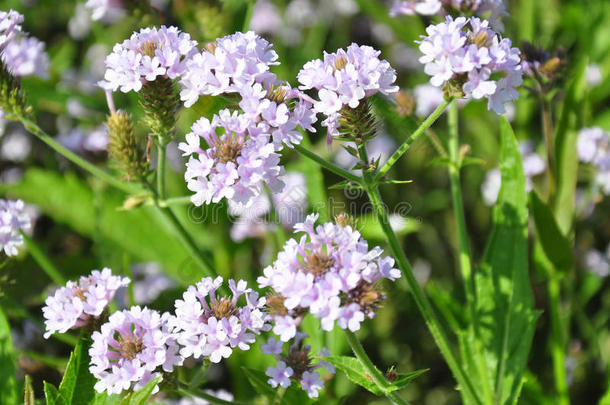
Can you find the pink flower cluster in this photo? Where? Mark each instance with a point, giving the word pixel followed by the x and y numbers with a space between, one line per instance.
pixel 10 25
pixel 329 272
pixel 345 78
pixel 211 326
pixel 12 220
pixel 74 305
pixel 237 161
pixel 296 365
pixel 150 53
pixel 131 349
pixel 470 55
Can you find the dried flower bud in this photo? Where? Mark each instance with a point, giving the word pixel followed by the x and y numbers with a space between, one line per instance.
pixel 345 219
pixel 125 148
pixel 405 103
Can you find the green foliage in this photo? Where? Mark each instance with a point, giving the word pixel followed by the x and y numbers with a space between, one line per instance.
pixel 498 351
pixel 76 387
pixel 8 384
pixel 292 394
pixel 141 396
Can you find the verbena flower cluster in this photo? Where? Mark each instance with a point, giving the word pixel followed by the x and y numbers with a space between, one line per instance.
pixel 76 304
pixel 329 272
pixel 593 146
pixel 493 9
pixel 297 365
pixel 148 54
pixel 22 55
pixel 466 56
pixel 344 79
pixel 240 156
pixel 236 162
pixel 132 349
pixel 12 220
pixel 209 325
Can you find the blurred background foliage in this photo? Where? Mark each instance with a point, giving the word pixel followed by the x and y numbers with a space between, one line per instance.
pixel 82 224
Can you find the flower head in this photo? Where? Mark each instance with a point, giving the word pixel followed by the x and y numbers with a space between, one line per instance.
pixel 344 78
pixel 210 325
pixel 10 24
pixel 467 58
pixel 74 305
pixel 12 220
pixel 106 10
pixel 26 56
pixel 237 162
pixel 132 349
pixel 329 272
pixel 297 364
pixel 150 53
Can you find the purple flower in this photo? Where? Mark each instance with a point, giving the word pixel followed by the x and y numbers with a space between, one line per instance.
pixel 344 78
pixel 147 54
pixel 468 51
pixel 10 24
pixel 12 220
pixel 108 11
pixel 74 305
pixel 296 365
pixel 26 56
pixel 593 146
pixel 329 272
pixel 237 163
pixel 132 349
pixel 208 325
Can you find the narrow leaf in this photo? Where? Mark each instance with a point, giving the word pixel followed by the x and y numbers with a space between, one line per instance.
pixel 141 396
pixel 52 395
pixel 403 379
pixel 28 395
pixel 354 370
pixel 505 313
pixel 8 384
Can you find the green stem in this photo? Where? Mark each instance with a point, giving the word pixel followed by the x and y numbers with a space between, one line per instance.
pixel 161 191
pixel 458 204
pixel 407 143
pixel 127 272
pixel 204 263
pixel 43 261
pixel 193 393
pixel 558 346
pixel 248 16
pixel 547 127
pixel 425 308
pixel 327 165
pixel 376 375
pixel 33 128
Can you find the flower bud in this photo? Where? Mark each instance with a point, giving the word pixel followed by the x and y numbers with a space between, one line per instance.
pixel 13 100
pixel 125 148
pixel 160 100
pixel 357 124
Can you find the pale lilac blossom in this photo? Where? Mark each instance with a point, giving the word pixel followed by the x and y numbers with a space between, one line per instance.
pixel 133 348
pixel 13 219
pixel 108 11
pixel 468 51
pixel 76 304
pixel 10 25
pixel 149 53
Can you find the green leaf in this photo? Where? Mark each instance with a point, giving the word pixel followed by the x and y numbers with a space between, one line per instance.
pixel 76 387
pixel 52 395
pixel 504 307
pixel 141 396
pixel 354 370
pixel 8 383
pixel 258 379
pixel 570 122
pixel 403 379
pixel 369 226
pixel 555 245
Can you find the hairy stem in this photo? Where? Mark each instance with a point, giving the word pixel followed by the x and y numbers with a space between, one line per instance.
pixel 547 129
pixel 376 375
pixel 43 261
pixel 407 143
pixel 161 191
pixel 33 128
pixel 327 165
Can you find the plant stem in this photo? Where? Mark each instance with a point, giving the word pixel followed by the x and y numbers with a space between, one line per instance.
pixel 425 308
pixel 547 127
pixel 407 143
pixel 558 346
pixel 161 191
pixel 376 375
pixel 74 158
pixel 248 16
pixel 188 242
pixel 204 395
pixel 458 204
pixel 327 165
pixel 43 261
